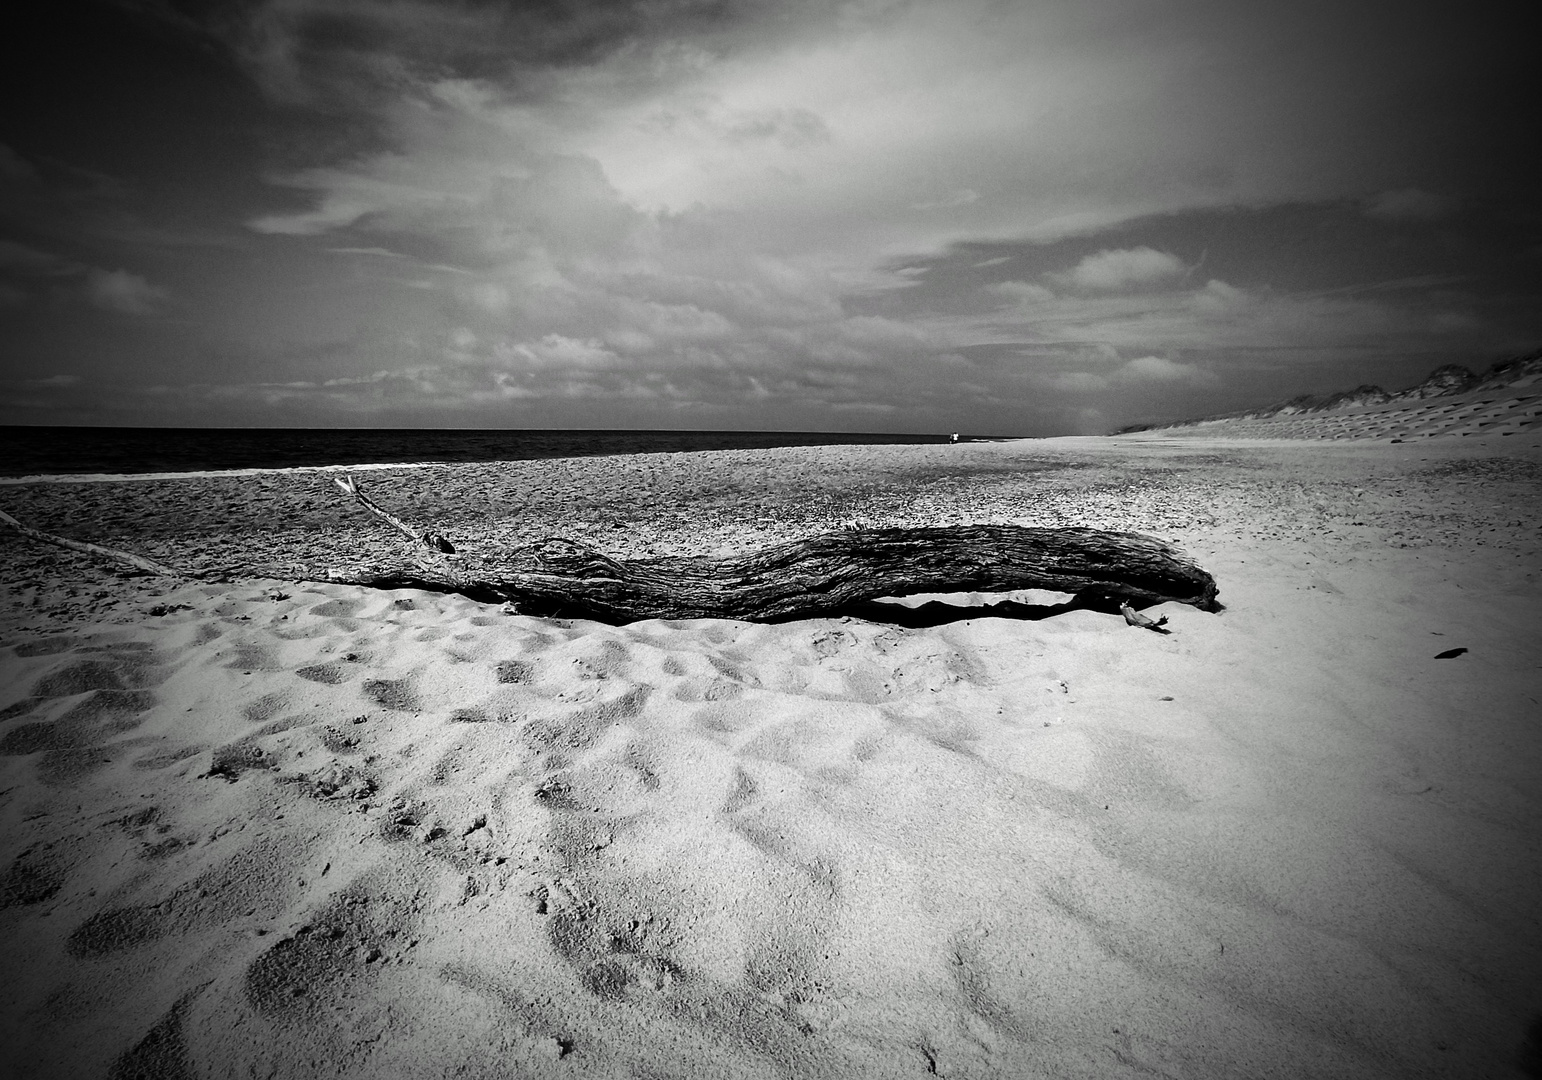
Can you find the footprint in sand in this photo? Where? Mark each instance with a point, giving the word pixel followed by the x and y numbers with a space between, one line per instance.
pixel 31 878
pixel 45 646
pixel 829 641
pixel 120 666
pixel 97 716
pixel 582 728
pixel 265 708
pixel 129 670
pixel 344 944
pixel 230 761
pixel 515 672
pixel 169 758
pixel 694 678
pixel 336 609
pixel 618 952
pixel 118 929
pixel 74 744
pixel 254 883
pixel 253 656
pixel 24 707
pixel 398 695
pixel 328 674
pixel 207 632
pixel 340 741
pixel 162 1052
pixel 743 793
pixel 472 714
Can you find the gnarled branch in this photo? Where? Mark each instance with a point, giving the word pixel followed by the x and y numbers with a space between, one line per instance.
pixel 803 578
pixel 148 565
pixel 431 540
pixel 820 574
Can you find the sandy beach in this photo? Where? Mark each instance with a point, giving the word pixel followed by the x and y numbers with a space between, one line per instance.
pixel 275 826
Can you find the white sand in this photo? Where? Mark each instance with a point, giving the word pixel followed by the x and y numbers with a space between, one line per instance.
pixel 312 830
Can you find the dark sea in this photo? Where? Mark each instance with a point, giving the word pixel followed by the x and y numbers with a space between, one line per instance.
pixel 55 451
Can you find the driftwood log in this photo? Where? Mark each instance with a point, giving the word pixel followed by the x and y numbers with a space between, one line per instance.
pixel 139 562
pixel 814 576
pixel 820 574
pixel 808 577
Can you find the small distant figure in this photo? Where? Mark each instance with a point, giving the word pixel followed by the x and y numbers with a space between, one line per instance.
pixel 953 438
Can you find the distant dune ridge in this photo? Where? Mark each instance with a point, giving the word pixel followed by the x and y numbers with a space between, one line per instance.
pixel 1449 380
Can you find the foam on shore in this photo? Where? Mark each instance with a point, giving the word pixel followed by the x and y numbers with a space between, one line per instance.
pixel 208 474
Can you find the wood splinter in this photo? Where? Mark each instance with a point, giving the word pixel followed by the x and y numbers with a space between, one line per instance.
pixel 1135 618
pixel 431 540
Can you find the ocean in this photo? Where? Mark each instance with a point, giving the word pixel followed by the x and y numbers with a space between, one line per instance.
pixel 67 451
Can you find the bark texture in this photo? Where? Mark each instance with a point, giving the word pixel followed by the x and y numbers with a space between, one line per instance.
pixel 819 574
pixel 804 578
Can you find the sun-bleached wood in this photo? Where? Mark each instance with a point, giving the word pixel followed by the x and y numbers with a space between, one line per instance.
pixel 150 566
pixel 807 577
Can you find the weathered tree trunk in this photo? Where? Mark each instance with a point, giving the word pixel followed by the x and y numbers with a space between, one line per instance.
pixel 820 574
pixel 808 577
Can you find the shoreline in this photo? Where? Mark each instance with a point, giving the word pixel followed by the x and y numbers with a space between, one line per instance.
pixel 215 451
pixel 724 502
pixel 207 474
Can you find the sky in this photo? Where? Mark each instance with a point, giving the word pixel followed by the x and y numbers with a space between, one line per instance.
pixel 1005 217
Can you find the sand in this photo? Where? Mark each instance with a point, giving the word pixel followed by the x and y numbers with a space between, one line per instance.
pixel 281 828
pixel 1503 412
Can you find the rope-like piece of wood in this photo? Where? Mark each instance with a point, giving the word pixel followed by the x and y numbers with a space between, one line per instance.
pixel 149 565
pixel 433 541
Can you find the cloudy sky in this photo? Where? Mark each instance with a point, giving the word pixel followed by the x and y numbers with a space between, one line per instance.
pixel 998 216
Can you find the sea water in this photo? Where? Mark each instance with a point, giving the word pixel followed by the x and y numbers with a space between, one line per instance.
pixel 65 451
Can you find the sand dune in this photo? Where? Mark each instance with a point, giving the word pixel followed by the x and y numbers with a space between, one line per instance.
pixel 311 830
pixel 1502 412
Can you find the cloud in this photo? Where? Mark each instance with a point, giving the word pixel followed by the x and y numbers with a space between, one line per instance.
pixel 1410 204
pixel 111 290
pixel 1143 370
pixel 961 197
pixel 376 251
pixel 14 168
pixel 1121 270
pixel 557 270
pixel 18 258
pixel 706 205
pixel 122 292
pixel 1218 317
pixel 836 126
pixel 556 351
pixel 1023 293
pixel 334 52
pixel 55 381
pixel 1226 316
pixel 1159 369
pixel 792 129
pixel 1074 382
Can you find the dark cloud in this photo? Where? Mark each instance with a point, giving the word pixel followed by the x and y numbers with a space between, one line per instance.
pixel 342 53
pixel 1015 215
